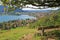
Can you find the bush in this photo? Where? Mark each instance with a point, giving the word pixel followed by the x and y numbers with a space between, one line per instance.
pixel 55 33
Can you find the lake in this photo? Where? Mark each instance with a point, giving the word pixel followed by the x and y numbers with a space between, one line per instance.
pixel 13 16
pixel 6 18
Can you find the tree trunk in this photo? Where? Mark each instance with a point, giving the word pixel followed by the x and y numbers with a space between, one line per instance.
pixel 42 31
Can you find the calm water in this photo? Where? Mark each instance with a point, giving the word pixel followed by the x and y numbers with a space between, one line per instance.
pixel 6 18
pixel 9 17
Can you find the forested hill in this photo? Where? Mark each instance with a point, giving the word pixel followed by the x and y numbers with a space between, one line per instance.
pixel 48 21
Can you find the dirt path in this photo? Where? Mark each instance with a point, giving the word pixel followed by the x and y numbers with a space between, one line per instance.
pixel 47 30
pixel 30 36
pixel 27 37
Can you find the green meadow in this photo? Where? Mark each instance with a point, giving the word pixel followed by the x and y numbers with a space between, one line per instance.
pixel 15 34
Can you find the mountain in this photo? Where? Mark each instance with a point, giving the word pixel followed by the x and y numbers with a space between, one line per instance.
pixel 29 9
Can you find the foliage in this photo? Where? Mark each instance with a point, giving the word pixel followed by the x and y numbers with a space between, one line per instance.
pixel 15 23
pixel 12 4
pixel 52 19
pixel 15 34
pixel 54 34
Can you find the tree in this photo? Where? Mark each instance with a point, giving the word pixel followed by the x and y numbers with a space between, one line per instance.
pixel 21 3
pixel 12 4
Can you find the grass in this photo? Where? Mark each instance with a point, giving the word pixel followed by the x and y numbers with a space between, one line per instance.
pixel 15 34
pixel 36 38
